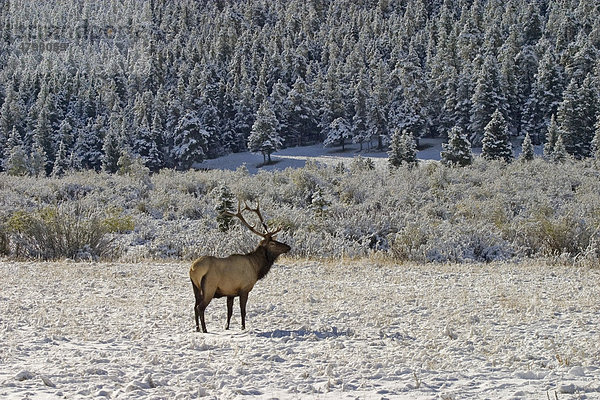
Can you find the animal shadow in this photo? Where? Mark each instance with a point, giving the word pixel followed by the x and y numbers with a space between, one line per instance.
pixel 306 334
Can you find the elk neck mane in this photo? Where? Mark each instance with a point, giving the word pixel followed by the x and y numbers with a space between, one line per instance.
pixel 265 260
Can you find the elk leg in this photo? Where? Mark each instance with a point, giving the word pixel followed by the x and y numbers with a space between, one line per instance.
pixel 198 297
pixel 243 300
pixel 229 310
pixel 206 298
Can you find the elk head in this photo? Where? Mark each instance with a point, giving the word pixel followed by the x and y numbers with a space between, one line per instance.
pixel 273 247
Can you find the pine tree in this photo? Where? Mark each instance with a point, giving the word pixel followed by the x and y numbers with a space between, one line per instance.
pixel 360 119
pixel 264 137
pixel 61 163
pixel 300 117
pixel 379 105
pixel 458 149
pixel 487 98
pixel 15 159
pixel 42 137
pixel 576 117
pixel 559 154
pixel 551 137
pixel 88 147
pixel 224 204
pixel 112 152
pixel 546 95
pixel 413 112
pixel 403 149
pixel 527 149
pixel 596 140
pixel 339 131
pixel 189 141
pixel 37 160
pixel 319 203
pixel 496 144
pixel 396 150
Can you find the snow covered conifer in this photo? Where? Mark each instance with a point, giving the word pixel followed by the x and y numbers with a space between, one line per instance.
pixel 112 152
pixel 319 204
pixel 339 131
pixel 596 140
pixel 37 160
pixel 224 203
pixel 403 149
pixel 551 137
pixel 360 120
pixel 559 154
pixel 458 149
pixel 396 150
pixel 496 143
pixel 410 148
pixel 527 149
pixel 264 137
pixel 61 163
pixel 88 146
pixel 15 160
pixel 486 98
pixel 189 141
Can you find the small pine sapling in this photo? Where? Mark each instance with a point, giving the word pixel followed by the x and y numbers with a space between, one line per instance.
pixel 527 149
pixel 319 204
pixel 560 151
pixel 224 205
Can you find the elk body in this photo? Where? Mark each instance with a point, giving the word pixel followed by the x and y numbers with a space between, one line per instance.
pixel 236 275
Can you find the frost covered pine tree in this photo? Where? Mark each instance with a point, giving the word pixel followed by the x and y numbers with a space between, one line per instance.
pixel 224 204
pixel 61 163
pixel 189 141
pixel 551 137
pixel 319 203
pixel 88 146
pixel 396 150
pixel 596 140
pixel 15 159
pixel 264 137
pixel 403 149
pixel 112 152
pixel 339 131
pixel 486 99
pixel 527 148
pixel 37 160
pixel 496 143
pixel 457 152
pixel 559 153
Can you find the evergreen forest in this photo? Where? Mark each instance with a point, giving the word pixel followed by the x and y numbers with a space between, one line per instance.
pixel 95 84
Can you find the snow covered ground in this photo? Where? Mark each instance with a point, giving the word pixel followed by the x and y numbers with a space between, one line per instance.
pixel 315 330
pixel 296 157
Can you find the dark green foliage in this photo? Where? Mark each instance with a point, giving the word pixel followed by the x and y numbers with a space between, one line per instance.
pixel 421 66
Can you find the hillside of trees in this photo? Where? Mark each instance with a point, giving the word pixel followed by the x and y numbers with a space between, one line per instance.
pixel 91 84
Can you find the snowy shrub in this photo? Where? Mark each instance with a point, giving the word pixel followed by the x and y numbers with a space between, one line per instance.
pixel 67 231
pixel 488 210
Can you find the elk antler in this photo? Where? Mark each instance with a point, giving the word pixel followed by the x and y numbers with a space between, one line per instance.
pixel 256 210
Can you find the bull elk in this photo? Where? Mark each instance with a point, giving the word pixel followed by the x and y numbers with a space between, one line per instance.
pixel 236 275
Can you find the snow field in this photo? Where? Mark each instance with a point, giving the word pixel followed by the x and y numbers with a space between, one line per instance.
pixel 315 330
